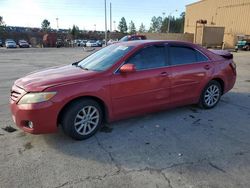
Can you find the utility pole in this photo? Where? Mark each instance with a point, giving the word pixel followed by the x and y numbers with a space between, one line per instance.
pixel 106 37
pixel 57 23
pixel 169 20
pixel 114 25
pixel 110 17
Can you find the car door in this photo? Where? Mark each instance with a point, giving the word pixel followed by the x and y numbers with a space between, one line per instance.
pixel 190 71
pixel 144 89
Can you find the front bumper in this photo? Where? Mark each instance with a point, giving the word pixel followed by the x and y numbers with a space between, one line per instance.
pixel 43 115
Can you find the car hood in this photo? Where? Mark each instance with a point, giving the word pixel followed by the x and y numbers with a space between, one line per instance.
pixel 39 81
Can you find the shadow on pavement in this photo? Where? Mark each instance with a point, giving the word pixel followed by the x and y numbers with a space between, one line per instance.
pixel 186 135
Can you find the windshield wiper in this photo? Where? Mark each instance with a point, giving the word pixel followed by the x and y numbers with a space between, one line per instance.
pixel 76 63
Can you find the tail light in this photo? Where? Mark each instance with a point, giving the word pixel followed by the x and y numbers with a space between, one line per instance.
pixel 233 66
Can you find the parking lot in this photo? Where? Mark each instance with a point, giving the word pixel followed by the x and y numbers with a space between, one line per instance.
pixel 183 147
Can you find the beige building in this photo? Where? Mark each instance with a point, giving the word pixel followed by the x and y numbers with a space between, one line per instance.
pixel 234 15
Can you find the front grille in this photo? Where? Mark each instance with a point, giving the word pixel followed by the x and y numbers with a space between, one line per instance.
pixel 16 93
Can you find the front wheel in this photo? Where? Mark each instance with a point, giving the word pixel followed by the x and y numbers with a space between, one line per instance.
pixel 211 95
pixel 82 119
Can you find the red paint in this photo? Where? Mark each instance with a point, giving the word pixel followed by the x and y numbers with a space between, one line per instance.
pixel 124 94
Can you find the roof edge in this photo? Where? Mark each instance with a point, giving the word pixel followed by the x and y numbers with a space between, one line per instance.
pixel 200 1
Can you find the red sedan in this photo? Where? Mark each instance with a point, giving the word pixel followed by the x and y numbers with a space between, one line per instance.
pixel 120 81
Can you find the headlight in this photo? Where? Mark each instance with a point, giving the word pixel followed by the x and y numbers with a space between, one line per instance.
pixel 31 98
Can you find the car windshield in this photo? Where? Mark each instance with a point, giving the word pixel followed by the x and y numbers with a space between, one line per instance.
pixel 104 58
pixel 123 39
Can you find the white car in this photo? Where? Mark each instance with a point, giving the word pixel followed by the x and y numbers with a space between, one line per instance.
pixel 10 44
pixel 92 43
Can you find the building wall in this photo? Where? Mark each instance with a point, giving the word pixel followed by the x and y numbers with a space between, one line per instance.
pixel 234 15
pixel 170 36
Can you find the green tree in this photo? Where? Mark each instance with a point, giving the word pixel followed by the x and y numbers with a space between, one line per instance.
pixel 156 23
pixel 2 25
pixel 164 26
pixel 1 21
pixel 123 25
pixel 74 31
pixel 142 28
pixel 176 24
pixel 45 25
pixel 132 29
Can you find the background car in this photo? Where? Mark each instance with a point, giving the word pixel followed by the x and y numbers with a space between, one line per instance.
pixel 128 38
pixel 92 43
pixel 133 37
pixel 1 43
pixel 243 45
pixel 119 81
pixel 23 44
pixel 99 42
pixel 83 43
pixel 9 43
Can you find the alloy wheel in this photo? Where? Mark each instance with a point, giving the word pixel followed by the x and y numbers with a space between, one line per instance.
pixel 212 95
pixel 86 120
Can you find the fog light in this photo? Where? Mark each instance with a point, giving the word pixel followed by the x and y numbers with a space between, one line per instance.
pixel 30 124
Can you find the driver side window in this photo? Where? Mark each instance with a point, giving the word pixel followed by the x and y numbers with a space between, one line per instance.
pixel 149 58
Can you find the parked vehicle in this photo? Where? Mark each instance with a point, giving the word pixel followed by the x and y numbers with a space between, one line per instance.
pixel 23 44
pixel 92 43
pixel 243 45
pixel 9 43
pixel 111 41
pixel 119 81
pixel 100 43
pixel 1 43
pixel 59 43
pixel 49 40
pixel 128 38
pixel 133 37
pixel 83 43
pixel 77 42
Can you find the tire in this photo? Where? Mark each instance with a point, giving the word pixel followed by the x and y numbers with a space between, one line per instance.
pixel 211 95
pixel 82 119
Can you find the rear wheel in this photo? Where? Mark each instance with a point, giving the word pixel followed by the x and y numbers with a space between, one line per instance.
pixel 82 119
pixel 211 95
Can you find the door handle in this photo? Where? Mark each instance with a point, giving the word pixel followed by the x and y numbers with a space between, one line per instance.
pixel 163 74
pixel 207 67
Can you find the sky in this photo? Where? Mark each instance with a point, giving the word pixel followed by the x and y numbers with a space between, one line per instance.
pixel 87 14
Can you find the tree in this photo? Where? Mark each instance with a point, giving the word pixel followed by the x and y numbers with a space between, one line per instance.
pixel 132 29
pixel 123 25
pixel 74 31
pixel 142 28
pixel 164 26
pixel 1 21
pixel 45 25
pixel 2 25
pixel 176 24
pixel 156 24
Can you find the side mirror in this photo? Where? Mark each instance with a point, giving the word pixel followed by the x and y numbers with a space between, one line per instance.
pixel 128 68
